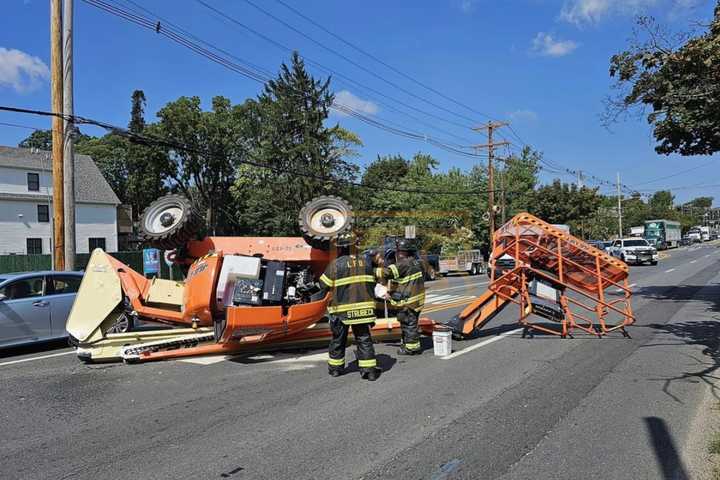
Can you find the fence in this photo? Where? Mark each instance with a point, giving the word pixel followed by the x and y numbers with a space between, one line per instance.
pixel 33 263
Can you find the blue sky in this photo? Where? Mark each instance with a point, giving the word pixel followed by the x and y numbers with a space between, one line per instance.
pixel 541 64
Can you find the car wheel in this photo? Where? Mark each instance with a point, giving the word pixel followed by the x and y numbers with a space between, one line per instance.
pixel 654 262
pixel 473 270
pixel 123 324
pixel 431 274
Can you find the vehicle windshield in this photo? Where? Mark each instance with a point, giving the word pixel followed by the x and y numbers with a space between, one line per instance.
pixel 636 243
pixel 653 232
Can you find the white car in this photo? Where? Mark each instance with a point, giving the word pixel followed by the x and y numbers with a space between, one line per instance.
pixel 634 250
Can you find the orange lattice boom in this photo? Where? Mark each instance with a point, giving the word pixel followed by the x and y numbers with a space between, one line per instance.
pixel 555 276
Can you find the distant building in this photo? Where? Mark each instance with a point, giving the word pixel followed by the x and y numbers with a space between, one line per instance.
pixel 26 204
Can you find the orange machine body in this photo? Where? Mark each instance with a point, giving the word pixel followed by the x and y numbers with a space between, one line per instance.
pixel 200 289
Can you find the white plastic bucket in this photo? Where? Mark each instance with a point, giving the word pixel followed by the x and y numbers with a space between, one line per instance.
pixel 442 341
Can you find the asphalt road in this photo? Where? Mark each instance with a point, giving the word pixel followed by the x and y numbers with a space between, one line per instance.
pixel 501 407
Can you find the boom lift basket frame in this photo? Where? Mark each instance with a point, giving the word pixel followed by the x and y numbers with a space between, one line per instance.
pixel 580 273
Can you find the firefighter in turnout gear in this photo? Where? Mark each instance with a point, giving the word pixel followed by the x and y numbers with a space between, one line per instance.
pixel 406 291
pixel 351 281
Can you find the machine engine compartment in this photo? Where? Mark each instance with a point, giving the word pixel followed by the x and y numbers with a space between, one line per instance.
pixel 255 281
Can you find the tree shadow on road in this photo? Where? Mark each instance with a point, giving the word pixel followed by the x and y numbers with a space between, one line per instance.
pixel 703 329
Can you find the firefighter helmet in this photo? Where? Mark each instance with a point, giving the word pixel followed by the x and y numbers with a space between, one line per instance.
pixel 346 240
pixel 406 245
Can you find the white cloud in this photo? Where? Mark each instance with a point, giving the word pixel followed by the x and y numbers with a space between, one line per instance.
pixel 468 6
pixel 343 97
pixel 21 71
pixel 582 12
pixel 545 44
pixel 523 115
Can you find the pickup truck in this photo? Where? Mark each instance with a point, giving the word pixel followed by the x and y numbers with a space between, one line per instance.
pixel 634 250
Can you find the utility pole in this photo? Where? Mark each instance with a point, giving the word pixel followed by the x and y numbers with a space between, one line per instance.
pixel 69 132
pixel 491 146
pixel 620 229
pixel 56 80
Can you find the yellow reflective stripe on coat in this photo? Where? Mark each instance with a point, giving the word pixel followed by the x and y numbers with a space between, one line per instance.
pixel 394 270
pixel 419 299
pixel 379 273
pixel 350 306
pixel 358 321
pixel 354 279
pixel 409 278
pixel 367 363
pixel 327 280
pixel 336 361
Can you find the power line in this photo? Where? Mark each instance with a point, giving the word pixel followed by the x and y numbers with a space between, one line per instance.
pixel 162 142
pixel 677 173
pixel 5 124
pixel 352 62
pixel 381 62
pixel 334 72
pixel 258 77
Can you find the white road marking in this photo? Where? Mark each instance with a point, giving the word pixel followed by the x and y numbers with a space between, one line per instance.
pixel 445 299
pixel 467 285
pixel 212 359
pixel 481 344
pixel 707 255
pixel 669 270
pixel 620 290
pixel 23 360
pixel 209 360
pixel 693 261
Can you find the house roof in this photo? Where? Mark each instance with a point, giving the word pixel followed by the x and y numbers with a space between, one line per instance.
pixel 90 185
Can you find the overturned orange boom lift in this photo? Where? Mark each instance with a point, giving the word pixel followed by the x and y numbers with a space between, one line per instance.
pixel 240 294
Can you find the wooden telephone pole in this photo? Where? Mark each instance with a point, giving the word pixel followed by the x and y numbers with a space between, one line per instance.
pixel 68 134
pixel 491 145
pixel 56 92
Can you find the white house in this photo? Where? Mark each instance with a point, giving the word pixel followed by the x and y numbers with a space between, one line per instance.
pixel 26 204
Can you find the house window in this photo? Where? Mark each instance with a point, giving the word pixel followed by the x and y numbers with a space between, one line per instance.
pixel 43 213
pixel 33 180
pixel 34 246
pixel 96 243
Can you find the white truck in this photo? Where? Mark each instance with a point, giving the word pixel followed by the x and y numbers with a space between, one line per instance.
pixel 638 231
pixel 470 261
pixel 705 234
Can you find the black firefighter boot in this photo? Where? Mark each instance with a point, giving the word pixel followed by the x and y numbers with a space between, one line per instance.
pixel 371 374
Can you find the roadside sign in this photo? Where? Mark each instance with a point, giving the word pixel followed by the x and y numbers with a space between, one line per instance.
pixel 167 256
pixel 410 231
pixel 151 260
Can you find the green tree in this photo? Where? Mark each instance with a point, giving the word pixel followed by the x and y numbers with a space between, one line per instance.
pixel 676 79
pixel 661 204
pixel 288 133
pixel 41 139
pixel 562 203
pixel 519 177
pixel 213 145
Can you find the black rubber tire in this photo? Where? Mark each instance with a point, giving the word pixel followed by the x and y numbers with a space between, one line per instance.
pixel 653 262
pixel 473 270
pixel 431 274
pixel 185 228
pixel 320 239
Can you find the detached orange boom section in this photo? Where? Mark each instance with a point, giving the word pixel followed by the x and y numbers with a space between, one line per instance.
pixel 554 276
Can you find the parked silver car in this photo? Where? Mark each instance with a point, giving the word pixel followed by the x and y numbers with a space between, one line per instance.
pixel 34 306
